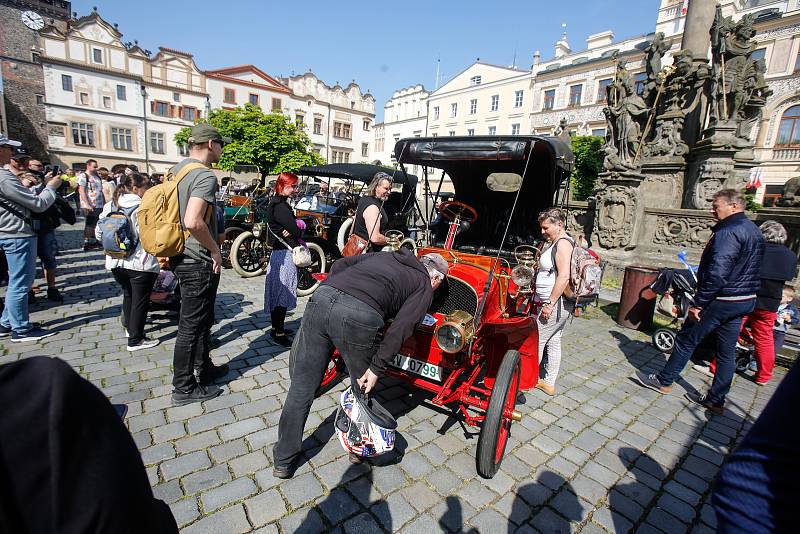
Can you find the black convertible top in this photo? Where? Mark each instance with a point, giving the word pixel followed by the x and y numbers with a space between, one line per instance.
pixel 362 172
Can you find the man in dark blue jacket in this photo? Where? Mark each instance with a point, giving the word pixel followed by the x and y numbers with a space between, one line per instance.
pixel 729 277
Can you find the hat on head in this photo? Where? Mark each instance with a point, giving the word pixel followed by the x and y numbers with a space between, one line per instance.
pixel 20 153
pixel 436 261
pixel 204 132
pixel 5 141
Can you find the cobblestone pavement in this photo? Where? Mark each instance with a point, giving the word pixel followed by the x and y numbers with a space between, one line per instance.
pixel 603 455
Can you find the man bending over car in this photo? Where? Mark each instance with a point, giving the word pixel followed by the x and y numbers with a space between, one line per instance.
pixel 348 311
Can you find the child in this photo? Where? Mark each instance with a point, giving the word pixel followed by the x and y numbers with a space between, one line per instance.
pixel 787 316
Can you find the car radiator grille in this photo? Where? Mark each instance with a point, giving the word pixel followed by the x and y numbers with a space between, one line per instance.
pixel 460 296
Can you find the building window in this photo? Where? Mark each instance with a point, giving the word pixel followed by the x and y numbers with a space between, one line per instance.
pixel 254 99
pixel 759 53
pixel 452 133
pixel 276 104
pixel 366 125
pixel 176 97
pixel 602 89
pixel 789 130
pixel 66 82
pixel 230 96
pixel 97 55
pixel 492 130
pixel 157 142
pixel 575 92
pixel 495 103
pixel 161 109
pixel 84 99
pixel 518 99
pixel 797 62
pixel 317 125
pixel 640 79
pixel 475 80
pixel 122 93
pixel 342 130
pixel 189 113
pixel 599 132
pixel 300 120
pixel 107 102
pixel 364 150
pixel 436 108
pixel 473 106
pixel 82 133
pixel 40 99
pixel 515 129
pixel 549 99
pixel 453 109
pixel 122 138
pixel 470 131
pixel 183 150
pixel 340 156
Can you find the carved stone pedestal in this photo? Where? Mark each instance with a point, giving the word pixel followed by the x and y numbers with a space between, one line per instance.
pixel 620 207
pixel 663 183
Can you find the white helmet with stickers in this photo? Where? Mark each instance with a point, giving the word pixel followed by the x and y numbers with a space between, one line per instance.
pixel 365 428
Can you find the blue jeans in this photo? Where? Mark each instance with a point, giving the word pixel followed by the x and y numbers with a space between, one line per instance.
pixel 47 249
pixel 21 257
pixel 724 318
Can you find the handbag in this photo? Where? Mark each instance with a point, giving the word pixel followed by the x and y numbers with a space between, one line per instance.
pixel 301 256
pixel 355 245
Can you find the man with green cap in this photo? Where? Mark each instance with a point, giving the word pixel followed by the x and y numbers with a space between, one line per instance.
pixel 197 269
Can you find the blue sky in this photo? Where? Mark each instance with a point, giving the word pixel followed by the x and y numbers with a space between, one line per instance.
pixel 381 45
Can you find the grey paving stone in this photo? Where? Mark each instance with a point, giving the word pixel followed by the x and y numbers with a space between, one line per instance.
pixel 424 524
pixel 203 480
pixel 226 494
pixel 185 511
pixel 665 521
pixel 420 496
pixel 547 520
pixel 302 521
pixel 338 505
pixel 168 492
pixel 232 520
pixel 513 508
pixel 390 478
pixel 442 480
pixel 249 463
pixel 197 442
pixel 265 508
pixel 168 432
pixel 611 521
pixel 394 512
pixel 361 524
pixel 240 428
pixel 301 490
pixel 228 450
pixel 181 413
pixel 183 465
pixel 588 489
pixel 683 511
pixel 146 421
pixel 212 420
pixel 158 453
pixel 489 521
pixel 416 465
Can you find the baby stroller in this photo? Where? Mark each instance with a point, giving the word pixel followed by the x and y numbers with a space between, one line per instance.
pixel 676 287
pixel 166 294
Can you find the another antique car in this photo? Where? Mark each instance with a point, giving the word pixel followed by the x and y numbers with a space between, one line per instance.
pixel 328 216
pixel 478 346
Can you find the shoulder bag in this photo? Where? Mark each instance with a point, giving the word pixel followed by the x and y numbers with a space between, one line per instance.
pixel 301 256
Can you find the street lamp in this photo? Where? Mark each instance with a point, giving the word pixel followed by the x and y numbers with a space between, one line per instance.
pixel 144 118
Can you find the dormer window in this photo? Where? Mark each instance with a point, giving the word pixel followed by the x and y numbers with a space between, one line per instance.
pixel 475 80
pixel 97 55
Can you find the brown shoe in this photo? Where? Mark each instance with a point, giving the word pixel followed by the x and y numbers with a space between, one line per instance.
pixel 550 390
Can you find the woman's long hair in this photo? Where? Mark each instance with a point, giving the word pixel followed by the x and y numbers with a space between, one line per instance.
pixel 127 185
pixel 376 181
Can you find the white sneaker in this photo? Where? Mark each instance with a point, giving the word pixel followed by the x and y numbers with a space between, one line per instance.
pixel 703 369
pixel 126 332
pixel 146 343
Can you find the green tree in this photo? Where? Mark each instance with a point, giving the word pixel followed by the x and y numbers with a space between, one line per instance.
pixel 588 162
pixel 269 140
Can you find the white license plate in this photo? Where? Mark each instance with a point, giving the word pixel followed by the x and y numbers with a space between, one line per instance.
pixel 417 367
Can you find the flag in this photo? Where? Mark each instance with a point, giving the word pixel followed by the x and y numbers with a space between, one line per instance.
pixel 755 182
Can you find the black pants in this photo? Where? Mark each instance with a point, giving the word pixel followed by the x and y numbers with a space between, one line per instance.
pixel 67 462
pixel 332 319
pixel 136 288
pixel 198 290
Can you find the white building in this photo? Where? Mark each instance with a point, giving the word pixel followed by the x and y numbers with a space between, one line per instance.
pixel 404 115
pixel 484 99
pixel 246 84
pixel 176 97
pixel 93 99
pixel 338 119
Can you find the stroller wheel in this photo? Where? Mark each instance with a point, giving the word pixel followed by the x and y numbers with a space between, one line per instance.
pixel 664 339
pixel 742 361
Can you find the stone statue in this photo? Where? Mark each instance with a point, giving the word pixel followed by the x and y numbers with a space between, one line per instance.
pixel 653 54
pixel 731 50
pixel 754 99
pixel 561 129
pixel 625 115
pixel 791 193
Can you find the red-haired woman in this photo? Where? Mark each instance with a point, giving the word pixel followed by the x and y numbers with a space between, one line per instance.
pixel 280 291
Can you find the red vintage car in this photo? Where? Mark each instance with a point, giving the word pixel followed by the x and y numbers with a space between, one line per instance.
pixel 478 346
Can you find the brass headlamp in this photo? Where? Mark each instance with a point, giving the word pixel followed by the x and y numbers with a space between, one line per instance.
pixel 457 329
pixel 524 273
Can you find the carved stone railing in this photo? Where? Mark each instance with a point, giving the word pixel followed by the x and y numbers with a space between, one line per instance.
pixel 786 154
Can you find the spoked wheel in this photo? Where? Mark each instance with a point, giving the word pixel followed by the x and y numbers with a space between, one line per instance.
pixel 742 360
pixel 225 248
pixel 306 283
pixel 334 373
pixel 497 424
pixel 249 255
pixel 664 340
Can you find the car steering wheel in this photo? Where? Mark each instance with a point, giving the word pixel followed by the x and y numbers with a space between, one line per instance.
pixel 453 208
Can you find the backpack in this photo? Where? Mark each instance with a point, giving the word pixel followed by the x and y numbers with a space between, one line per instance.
pixel 116 233
pixel 160 228
pixel 585 273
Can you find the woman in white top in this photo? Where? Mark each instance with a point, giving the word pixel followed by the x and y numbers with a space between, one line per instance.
pixel 552 279
pixel 138 272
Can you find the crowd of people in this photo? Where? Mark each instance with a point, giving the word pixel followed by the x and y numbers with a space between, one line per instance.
pixel 741 279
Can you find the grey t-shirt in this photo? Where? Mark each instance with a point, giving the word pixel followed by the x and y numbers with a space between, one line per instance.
pixel 200 183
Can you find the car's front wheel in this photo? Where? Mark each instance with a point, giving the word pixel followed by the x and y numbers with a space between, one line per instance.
pixel 249 255
pixel 306 283
pixel 497 423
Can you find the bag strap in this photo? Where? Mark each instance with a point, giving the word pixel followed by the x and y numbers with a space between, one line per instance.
pixel 285 244
pixel 185 170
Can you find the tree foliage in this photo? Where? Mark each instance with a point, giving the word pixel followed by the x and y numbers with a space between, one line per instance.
pixel 588 162
pixel 269 140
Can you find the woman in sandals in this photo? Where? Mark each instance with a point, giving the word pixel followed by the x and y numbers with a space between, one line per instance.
pixel 280 291
pixel 552 279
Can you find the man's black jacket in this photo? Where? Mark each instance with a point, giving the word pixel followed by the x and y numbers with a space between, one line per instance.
pixel 396 285
pixel 731 263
